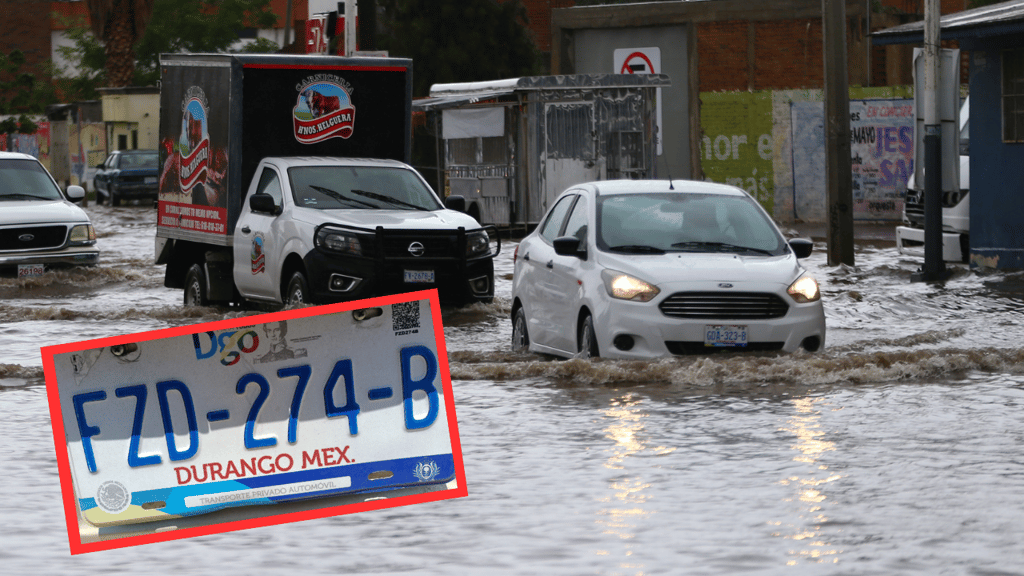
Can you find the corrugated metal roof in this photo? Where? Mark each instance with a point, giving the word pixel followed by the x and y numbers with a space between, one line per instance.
pixel 453 95
pixel 997 19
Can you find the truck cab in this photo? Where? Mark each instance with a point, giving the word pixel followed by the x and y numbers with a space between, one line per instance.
pixel 317 229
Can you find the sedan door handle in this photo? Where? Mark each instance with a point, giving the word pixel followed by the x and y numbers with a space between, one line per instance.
pixel 551 264
pixel 245 230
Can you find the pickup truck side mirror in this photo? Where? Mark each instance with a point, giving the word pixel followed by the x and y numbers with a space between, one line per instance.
pixel 455 202
pixel 802 247
pixel 263 203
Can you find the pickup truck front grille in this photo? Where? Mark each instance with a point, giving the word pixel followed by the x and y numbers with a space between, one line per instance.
pixel 724 306
pixel 32 237
pixel 405 246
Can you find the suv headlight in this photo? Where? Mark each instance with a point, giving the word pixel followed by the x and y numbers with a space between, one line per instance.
pixel 804 290
pixel 626 287
pixel 477 243
pixel 339 241
pixel 82 235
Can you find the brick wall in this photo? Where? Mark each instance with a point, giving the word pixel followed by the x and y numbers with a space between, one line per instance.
pixel 25 26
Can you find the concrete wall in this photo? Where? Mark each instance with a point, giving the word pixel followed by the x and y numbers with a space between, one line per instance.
pixel 125 107
pixel 594 51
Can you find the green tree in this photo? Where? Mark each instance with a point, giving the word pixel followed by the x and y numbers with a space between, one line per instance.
pixel 18 93
pixel 458 40
pixel 200 26
pixel 176 26
pixel 119 24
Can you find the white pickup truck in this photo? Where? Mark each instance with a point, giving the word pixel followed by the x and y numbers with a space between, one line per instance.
pixel 956 218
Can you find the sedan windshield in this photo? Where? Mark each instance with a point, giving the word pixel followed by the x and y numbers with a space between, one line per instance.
pixel 26 180
pixel 682 222
pixel 360 187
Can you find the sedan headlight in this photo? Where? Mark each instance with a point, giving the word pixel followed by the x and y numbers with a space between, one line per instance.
pixel 339 241
pixel 82 235
pixel 477 243
pixel 804 290
pixel 626 287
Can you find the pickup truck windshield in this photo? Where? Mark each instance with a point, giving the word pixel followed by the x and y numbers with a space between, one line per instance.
pixel 26 180
pixel 360 188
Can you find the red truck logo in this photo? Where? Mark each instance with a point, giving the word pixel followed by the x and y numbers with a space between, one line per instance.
pixel 323 110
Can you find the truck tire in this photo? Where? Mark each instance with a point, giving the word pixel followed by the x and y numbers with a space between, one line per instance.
pixel 298 290
pixel 195 287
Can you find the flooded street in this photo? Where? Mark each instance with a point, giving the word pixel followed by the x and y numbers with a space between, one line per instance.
pixel 898 449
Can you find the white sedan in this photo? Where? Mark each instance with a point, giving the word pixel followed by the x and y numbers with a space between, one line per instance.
pixel 641 269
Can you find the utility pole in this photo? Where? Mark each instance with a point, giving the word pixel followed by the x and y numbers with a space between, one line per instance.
pixel 838 170
pixel 934 265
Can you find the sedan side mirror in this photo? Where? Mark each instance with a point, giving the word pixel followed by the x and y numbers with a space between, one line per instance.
pixel 570 246
pixel 263 203
pixel 802 247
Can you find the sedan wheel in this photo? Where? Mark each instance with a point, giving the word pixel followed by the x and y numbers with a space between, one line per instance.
pixel 520 335
pixel 586 340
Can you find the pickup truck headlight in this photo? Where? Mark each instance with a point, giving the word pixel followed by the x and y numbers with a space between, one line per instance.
pixel 477 243
pixel 626 287
pixel 339 241
pixel 804 290
pixel 82 235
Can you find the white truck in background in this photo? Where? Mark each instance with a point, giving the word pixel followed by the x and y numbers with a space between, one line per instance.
pixel 955 209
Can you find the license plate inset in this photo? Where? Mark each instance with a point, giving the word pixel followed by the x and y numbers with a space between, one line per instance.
pixel 725 336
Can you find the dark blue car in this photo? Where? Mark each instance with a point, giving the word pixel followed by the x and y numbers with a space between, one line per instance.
pixel 127 175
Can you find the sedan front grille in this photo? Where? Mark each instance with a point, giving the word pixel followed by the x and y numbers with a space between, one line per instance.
pixel 32 237
pixel 724 306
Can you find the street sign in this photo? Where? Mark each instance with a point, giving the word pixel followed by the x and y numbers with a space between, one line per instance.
pixel 641 61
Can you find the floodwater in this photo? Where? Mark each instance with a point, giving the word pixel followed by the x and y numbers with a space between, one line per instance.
pixel 899 449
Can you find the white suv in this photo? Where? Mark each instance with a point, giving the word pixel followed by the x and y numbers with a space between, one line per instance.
pixel 39 225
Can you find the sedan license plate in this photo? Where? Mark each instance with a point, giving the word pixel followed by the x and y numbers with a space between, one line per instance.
pixel 419 276
pixel 725 336
pixel 150 180
pixel 262 413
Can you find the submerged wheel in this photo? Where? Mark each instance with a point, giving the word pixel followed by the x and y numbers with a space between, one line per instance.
pixel 586 340
pixel 195 286
pixel 298 290
pixel 520 335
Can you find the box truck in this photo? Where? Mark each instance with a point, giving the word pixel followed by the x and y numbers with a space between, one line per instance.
pixel 285 179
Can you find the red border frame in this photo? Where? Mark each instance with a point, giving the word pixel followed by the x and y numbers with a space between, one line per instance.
pixel 271 518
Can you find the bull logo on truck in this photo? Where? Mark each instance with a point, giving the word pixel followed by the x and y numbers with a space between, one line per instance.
pixel 323 110
pixel 194 145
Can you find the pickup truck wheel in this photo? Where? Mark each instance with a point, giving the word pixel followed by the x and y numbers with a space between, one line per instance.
pixel 586 340
pixel 298 290
pixel 195 286
pixel 520 335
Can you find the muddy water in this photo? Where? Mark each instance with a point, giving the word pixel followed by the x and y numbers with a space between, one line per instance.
pixel 899 449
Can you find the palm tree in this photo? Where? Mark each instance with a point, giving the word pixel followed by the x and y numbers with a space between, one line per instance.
pixel 119 24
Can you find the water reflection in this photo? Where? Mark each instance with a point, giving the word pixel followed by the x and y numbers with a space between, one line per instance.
pixel 627 506
pixel 812 544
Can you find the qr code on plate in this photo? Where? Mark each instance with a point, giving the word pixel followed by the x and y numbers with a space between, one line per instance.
pixel 405 317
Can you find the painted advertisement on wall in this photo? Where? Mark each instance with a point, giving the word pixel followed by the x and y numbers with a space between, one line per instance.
pixel 736 147
pixel 881 153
